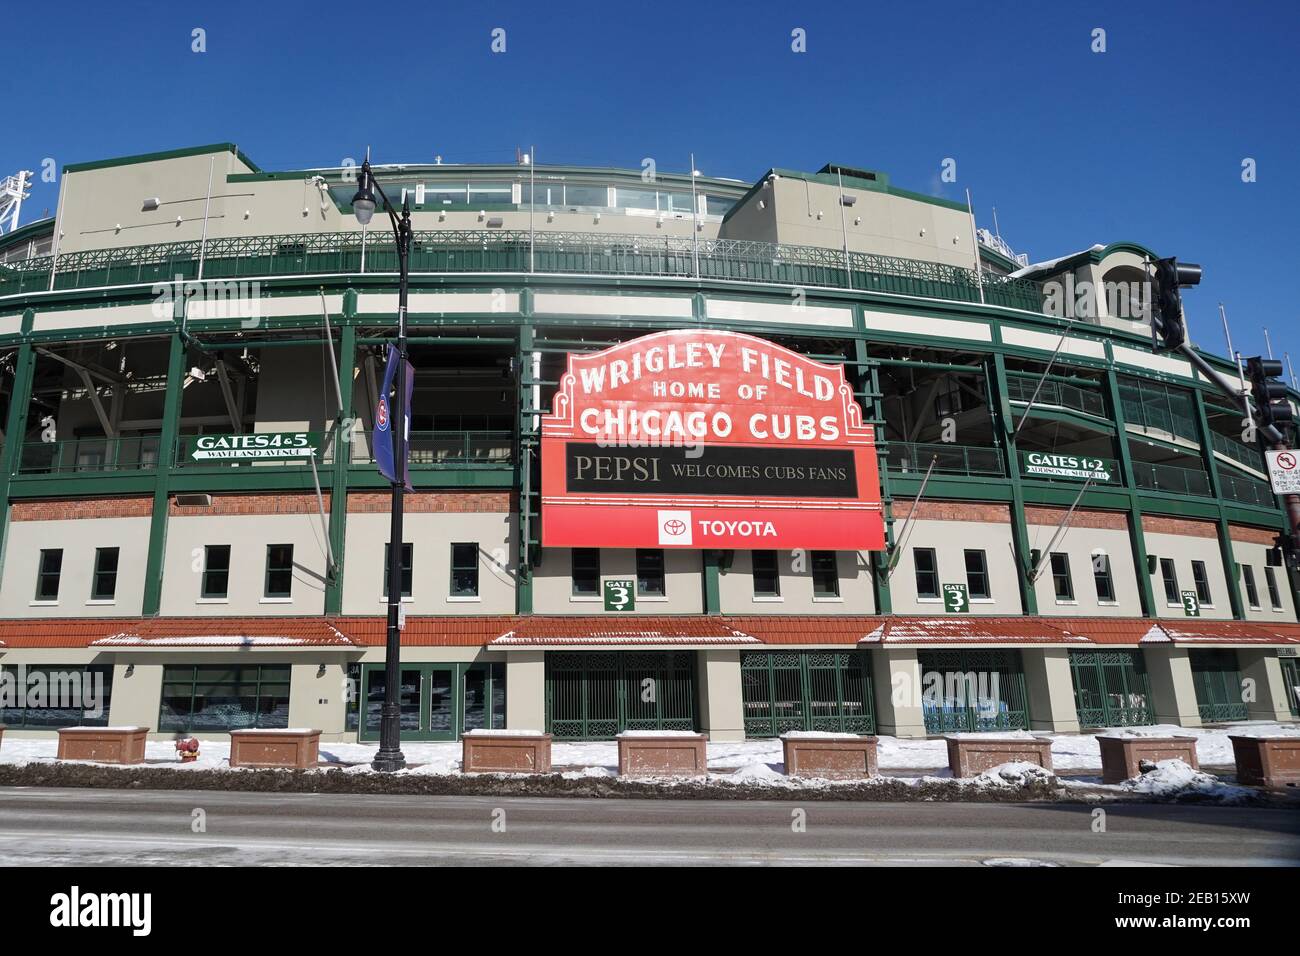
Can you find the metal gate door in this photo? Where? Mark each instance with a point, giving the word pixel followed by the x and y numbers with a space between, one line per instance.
pixel 973 691
pixel 1218 686
pixel 818 690
pixel 1111 688
pixel 593 695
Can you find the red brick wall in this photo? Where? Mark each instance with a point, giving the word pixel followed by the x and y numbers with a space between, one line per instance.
pixel 1114 520
pixel 58 510
pixel 452 502
pixel 1247 535
pixel 955 511
pixel 294 503
pixel 1156 524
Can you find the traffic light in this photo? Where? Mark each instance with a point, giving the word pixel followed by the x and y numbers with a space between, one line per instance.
pixel 1168 328
pixel 1272 407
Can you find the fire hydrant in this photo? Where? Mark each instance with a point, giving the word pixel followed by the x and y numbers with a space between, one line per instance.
pixel 188 749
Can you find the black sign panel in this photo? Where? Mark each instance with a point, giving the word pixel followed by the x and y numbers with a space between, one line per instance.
pixel 712 470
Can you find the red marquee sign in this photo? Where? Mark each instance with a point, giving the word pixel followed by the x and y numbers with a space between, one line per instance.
pixel 704 439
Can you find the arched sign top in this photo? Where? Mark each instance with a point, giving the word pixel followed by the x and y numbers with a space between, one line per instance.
pixel 702 438
pixel 705 386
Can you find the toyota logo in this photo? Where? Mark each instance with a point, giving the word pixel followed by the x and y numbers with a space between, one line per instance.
pixel 674 527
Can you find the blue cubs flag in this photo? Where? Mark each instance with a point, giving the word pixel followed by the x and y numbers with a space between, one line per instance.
pixel 383 421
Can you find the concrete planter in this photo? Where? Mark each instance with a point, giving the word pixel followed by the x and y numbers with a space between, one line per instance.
pixel 662 755
pixel 103 744
pixel 299 749
pixel 842 757
pixel 1267 761
pixel 1120 756
pixel 500 751
pixel 969 755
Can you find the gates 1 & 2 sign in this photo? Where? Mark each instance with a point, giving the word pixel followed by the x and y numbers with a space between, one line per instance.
pixel 706 439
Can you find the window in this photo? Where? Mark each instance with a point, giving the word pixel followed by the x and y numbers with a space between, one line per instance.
pixel 585 195
pixel 464 570
pixel 71 695
pixel 1061 582
pixel 279 570
pixel 216 571
pixel 103 586
pixel 47 574
pixel 1274 595
pixel 586 572
pixel 825 575
pixel 1170 577
pixel 224 697
pixel 649 572
pixel 1101 577
pixel 408 559
pixel 767 577
pixel 1252 592
pixel 977 575
pixel 927 572
pixel 485 697
pixel 1202 581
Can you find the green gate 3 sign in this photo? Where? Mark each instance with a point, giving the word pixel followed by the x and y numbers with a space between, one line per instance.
pixel 1191 605
pixel 620 595
pixel 955 599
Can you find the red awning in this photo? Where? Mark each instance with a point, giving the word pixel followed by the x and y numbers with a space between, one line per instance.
pixel 612 631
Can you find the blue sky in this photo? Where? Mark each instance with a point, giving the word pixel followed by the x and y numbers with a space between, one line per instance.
pixel 1142 142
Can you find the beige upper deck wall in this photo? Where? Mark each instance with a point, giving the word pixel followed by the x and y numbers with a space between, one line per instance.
pixel 803 212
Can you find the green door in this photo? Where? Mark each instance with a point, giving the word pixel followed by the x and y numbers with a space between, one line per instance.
pixel 973 691
pixel 595 695
pixel 429 703
pixel 815 690
pixel 1291 678
pixel 1111 688
pixel 1218 686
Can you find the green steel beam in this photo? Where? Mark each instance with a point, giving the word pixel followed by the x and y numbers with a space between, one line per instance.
pixel 1019 525
pixel 711 581
pixel 20 396
pixel 867 379
pixel 1221 524
pixel 1137 539
pixel 524 476
pixel 153 575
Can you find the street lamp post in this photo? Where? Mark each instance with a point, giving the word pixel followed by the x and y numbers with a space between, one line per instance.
pixel 390 757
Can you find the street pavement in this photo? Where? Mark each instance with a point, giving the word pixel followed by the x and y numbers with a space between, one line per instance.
pixel 140 827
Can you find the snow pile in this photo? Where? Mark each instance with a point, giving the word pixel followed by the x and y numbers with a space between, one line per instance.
pixel 1017 773
pixel 1174 778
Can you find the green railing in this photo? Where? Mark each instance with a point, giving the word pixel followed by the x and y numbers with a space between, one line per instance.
pixel 73 455
pixel 974 691
pixel 597 695
pixel 498 250
pixel 1021 387
pixel 1239 452
pixel 914 458
pixel 1153 405
pixel 1171 478
pixel 1247 491
pixel 445 449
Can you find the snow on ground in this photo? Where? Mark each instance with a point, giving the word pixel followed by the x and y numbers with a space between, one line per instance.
pixel 1175 777
pixel 751 761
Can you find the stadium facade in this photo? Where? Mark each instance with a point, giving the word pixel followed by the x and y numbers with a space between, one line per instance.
pixel 1039 509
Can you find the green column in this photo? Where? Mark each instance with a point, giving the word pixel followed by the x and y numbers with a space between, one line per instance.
pixel 1137 540
pixel 867 383
pixel 153 575
pixel 20 399
pixel 1019 527
pixel 712 588
pixel 1216 486
pixel 342 459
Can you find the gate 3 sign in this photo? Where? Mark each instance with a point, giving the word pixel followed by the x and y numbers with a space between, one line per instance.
pixel 698 438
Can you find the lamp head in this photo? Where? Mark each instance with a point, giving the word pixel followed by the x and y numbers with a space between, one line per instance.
pixel 363 203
